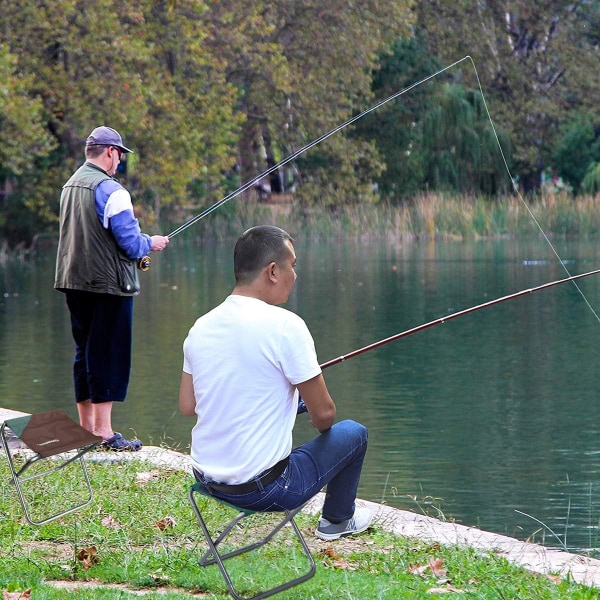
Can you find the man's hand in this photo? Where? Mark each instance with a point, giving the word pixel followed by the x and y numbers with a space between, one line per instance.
pixel 319 403
pixel 159 242
pixel 301 406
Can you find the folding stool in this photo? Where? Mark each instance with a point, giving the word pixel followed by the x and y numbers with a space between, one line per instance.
pixel 213 555
pixel 49 435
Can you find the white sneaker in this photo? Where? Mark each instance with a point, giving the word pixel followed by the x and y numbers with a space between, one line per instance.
pixel 359 522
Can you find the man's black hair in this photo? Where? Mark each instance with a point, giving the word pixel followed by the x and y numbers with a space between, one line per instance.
pixel 256 248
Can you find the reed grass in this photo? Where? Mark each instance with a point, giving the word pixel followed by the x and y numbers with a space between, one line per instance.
pixel 426 216
pixel 139 537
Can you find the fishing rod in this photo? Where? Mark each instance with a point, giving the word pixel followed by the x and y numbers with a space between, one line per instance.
pixel 308 146
pixel 145 261
pixel 455 315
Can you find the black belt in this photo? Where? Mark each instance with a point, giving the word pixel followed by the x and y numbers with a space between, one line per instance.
pixel 254 484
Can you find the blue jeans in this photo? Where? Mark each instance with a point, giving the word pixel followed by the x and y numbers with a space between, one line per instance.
pixel 333 459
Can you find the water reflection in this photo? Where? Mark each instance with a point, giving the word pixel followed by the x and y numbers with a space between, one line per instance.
pixel 488 414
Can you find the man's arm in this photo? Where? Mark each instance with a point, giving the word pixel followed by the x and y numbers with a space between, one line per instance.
pixel 115 211
pixel 187 400
pixel 319 403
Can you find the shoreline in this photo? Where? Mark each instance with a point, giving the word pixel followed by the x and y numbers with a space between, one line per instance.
pixel 533 557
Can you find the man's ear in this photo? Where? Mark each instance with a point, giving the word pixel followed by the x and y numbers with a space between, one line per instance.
pixel 271 271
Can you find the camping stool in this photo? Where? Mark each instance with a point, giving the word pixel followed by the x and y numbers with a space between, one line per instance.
pixel 47 435
pixel 213 555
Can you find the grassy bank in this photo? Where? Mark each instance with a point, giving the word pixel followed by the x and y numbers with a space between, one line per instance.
pixel 139 535
pixel 423 217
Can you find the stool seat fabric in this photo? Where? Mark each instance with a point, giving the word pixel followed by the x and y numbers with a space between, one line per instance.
pixel 51 433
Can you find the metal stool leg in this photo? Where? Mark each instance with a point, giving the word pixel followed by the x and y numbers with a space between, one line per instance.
pixel 213 555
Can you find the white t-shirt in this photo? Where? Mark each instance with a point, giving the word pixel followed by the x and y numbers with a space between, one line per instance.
pixel 246 357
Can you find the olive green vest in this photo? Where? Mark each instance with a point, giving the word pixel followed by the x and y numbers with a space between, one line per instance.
pixel 88 256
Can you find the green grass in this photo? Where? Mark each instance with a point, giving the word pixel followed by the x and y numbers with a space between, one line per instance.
pixel 118 546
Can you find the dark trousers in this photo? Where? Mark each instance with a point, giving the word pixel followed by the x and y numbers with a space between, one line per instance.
pixel 102 327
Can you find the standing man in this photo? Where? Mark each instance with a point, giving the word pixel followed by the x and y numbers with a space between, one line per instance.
pixel 99 244
pixel 246 364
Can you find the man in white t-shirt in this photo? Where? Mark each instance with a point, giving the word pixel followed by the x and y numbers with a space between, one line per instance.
pixel 248 366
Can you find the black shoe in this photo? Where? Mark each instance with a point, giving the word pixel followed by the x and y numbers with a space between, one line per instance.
pixel 117 443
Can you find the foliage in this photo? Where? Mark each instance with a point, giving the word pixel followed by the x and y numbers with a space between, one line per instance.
pixel 577 149
pixel 591 180
pixel 24 145
pixel 395 128
pixel 23 137
pixel 302 67
pixel 437 135
pixel 99 63
pixel 534 58
pixel 460 146
pixel 433 215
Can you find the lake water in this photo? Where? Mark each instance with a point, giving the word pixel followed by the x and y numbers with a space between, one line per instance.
pixel 478 420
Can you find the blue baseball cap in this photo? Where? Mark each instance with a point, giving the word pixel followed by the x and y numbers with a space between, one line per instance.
pixel 106 136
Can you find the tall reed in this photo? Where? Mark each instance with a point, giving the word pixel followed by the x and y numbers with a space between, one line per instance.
pixel 427 216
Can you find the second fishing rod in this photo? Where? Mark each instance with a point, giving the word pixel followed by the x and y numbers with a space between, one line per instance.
pixel 460 313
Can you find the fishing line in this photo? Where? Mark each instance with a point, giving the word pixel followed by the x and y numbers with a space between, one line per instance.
pixel 308 146
pixel 522 200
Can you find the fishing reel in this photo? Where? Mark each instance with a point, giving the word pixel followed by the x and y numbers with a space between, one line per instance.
pixel 144 263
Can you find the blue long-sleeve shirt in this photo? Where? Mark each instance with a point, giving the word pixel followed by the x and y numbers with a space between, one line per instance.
pixel 115 211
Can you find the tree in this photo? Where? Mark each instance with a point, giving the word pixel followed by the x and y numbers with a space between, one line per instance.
pixel 24 142
pixel 435 136
pixel 395 128
pixel 534 58
pixel 591 180
pixel 459 145
pixel 302 68
pixel 199 88
pixel 577 147
pixel 96 63
pixel 23 136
